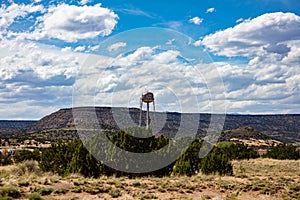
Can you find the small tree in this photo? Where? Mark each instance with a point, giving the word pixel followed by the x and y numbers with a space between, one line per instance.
pixel 189 162
pixel 71 157
pixel 216 162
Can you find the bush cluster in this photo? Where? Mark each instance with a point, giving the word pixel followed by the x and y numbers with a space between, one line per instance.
pixel 64 158
pixel 283 152
pixel 72 157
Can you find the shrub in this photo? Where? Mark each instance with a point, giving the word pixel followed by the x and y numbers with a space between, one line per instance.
pixel 216 162
pixel 71 157
pixel 6 198
pixel 282 152
pixel 45 191
pixel 189 162
pixel 22 155
pixel 115 193
pixel 35 196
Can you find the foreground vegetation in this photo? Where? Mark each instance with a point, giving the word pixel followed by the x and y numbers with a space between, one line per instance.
pixel 72 157
pixel 66 170
pixel 252 179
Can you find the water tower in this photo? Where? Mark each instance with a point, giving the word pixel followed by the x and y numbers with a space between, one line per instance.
pixel 147 97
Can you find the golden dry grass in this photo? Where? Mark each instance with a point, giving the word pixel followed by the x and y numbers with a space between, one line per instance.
pixel 253 179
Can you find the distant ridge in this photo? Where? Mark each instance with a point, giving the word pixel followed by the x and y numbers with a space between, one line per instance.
pixel 285 128
pixel 6 124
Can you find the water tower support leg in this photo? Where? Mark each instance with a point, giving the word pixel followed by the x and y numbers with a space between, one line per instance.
pixel 141 112
pixel 148 117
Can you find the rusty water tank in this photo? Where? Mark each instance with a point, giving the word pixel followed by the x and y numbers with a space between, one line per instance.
pixel 147 97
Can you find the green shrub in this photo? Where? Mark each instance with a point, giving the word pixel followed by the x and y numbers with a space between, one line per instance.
pixel 282 152
pixel 45 191
pixel 22 155
pixel 189 162
pixel 216 162
pixel 71 157
pixel 6 198
pixel 35 196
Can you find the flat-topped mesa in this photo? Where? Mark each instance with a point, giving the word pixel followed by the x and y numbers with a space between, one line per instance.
pixel 285 128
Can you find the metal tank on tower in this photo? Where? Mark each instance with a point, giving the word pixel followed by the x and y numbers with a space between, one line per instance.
pixel 147 97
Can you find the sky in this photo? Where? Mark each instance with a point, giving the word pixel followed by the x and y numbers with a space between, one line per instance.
pixel 196 56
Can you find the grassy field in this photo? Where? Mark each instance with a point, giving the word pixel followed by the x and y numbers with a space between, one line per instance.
pixel 252 179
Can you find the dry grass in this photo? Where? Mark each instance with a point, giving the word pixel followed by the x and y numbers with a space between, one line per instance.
pixel 253 179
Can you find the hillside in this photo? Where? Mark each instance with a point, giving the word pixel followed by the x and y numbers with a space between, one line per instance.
pixel 249 136
pixel 285 128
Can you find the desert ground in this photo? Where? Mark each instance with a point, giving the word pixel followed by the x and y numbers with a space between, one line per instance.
pixel 252 179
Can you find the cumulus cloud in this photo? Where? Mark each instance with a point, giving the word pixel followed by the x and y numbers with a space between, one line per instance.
pixel 210 10
pixel 176 84
pixel 196 20
pixel 8 14
pixel 37 77
pixel 267 33
pixel 41 61
pixel 71 23
pixel 40 77
pixel 271 44
pixel 116 46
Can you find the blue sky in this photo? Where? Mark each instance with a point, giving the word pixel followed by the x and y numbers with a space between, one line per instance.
pixel 254 45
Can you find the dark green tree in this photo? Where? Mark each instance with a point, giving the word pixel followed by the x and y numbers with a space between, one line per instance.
pixel 71 157
pixel 216 162
pixel 189 162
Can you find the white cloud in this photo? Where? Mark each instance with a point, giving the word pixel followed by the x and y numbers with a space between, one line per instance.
pixel 116 46
pixel 163 72
pixel 8 14
pixel 21 109
pixel 262 35
pixel 196 20
pixel 267 82
pixel 71 23
pixel 239 20
pixel 83 2
pixel 210 10
pixel 197 43
pixel 40 61
pixel 140 55
pixel 66 49
pixel 35 79
pixel 79 49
